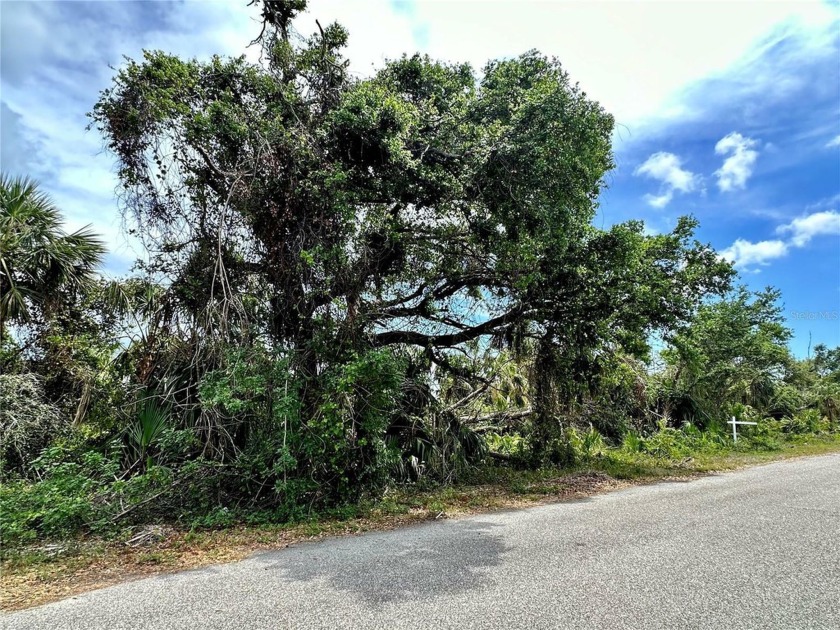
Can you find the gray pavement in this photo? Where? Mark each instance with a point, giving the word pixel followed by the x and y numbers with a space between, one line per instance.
pixel 758 548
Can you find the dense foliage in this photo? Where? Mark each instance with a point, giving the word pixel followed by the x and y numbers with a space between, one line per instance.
pixel 354 282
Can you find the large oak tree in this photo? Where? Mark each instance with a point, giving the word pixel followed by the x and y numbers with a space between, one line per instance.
pixel 291 203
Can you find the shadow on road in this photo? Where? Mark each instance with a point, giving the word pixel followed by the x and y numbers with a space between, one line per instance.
pixel 421 563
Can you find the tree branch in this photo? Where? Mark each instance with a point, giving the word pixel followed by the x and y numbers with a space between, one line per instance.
pixel 413 337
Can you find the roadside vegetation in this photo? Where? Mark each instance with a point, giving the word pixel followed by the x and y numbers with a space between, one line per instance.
pixel 363 301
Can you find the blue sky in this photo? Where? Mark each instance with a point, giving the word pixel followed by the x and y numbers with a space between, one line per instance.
pixel 729 111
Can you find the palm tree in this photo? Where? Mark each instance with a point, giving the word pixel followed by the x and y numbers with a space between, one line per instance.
pixel 37 258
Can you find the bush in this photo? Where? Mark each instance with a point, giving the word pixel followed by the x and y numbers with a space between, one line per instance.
pixel 669 443
pixel 632 442
pixel 573 447
pixel 80 490
pixel 27 421
pixel 62 503
pixel 807 421
pixel 766 436
pixel 510 444
pixel 288 459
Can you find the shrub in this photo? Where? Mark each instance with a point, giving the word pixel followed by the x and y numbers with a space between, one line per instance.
pixel 807 421
pixel 511 444
pixel 766 436
pixel 632 442
pixel 292 453
pixel 27 421
pixel 669 443
pixel 62 503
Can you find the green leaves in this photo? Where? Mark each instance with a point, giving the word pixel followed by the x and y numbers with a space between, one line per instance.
pixel 37 258
pixel 292 210
pixel 734 352
pixel 153 417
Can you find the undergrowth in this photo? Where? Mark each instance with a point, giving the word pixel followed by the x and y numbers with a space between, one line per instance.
pixel 79 493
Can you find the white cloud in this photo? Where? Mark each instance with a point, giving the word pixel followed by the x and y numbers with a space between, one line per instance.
pixel 660 201
pixel 803 229
pixel 743 253
pixel 632 81
pixel 738 167
pixel 667 169
pixel 834 142
pixel 828 203
pixel 379 30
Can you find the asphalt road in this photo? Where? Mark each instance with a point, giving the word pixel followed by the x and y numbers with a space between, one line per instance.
pixel 758 548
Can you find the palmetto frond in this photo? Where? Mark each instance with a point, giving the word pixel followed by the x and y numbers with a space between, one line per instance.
pixel 37 258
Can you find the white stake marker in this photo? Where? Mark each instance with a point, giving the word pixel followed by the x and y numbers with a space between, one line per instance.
pixel 735 424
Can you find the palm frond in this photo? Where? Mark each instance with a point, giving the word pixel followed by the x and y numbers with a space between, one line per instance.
pixel 37 258
pixel 151 421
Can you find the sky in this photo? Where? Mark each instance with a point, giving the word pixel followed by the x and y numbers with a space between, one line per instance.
pixel 729 111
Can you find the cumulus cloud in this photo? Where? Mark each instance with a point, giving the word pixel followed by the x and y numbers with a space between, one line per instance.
pixel 743 253
pixel 667 168
pixel 738 167
pixel 660 201
pixel 803 229
pixel 834 142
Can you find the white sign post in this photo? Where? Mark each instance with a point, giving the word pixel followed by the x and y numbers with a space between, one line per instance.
pixel 735 424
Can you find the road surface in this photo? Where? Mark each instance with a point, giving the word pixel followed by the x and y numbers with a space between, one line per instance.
pixel 758 548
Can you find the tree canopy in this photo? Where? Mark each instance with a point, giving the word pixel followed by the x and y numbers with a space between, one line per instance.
pixel 426 205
